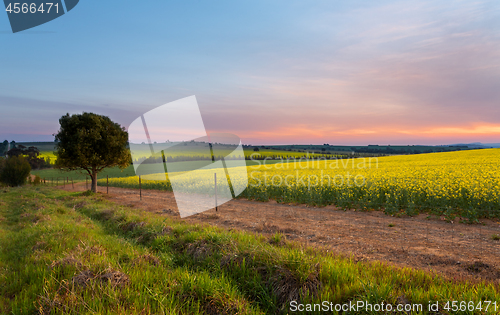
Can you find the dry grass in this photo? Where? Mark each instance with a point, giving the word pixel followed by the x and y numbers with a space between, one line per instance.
pixel 67 261
pixel 220 306
pixel 166 230
pixel 288 287
pixel 112 277
pixel 199 250
pixel 266 227
pixel 80 205
pixel 131 226
pixel 147 259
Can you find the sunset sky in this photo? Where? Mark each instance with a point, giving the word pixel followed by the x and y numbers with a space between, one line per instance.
pixel 271 72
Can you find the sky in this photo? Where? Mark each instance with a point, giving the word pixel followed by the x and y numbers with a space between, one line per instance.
pixel 272 72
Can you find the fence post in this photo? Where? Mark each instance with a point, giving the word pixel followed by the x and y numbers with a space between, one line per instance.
pixel 72 184
pixel 140 188
pixel 86 183
pixel 215 179
pixel 107 184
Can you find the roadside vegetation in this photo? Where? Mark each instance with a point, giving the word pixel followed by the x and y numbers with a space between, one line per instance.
pixel 77 253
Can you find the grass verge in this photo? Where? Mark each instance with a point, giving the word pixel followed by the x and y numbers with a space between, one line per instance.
pixel 74 253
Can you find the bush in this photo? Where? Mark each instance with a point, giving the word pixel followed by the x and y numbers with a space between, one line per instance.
pixel 15 171
pixel 37 180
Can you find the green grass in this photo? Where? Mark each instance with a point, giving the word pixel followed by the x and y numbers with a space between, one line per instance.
pixel 74 253
pixel 116 172
pixel 52 173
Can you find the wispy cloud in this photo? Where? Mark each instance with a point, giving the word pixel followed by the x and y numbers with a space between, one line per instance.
pixel 393 68
pixel 339 72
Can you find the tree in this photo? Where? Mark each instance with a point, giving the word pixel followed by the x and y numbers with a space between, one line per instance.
pixel 91 142
pixel 3 147
pixel 15 171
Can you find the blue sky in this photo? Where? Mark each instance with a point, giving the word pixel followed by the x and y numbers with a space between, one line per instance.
pixel 339 72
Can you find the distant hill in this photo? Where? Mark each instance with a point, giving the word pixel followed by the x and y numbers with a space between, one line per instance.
pixel 492 145
pixel 478 145
pixel 370 149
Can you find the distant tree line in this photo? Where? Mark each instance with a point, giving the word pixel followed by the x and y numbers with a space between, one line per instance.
pixel 405 150
pixel 4 146
pixel 31 155
pixel 370 150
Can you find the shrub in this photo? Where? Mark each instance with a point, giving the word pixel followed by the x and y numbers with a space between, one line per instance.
pixel 37 180
pixel 15 171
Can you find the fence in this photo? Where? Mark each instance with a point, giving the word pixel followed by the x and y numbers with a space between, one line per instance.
pixel 66 180
pixel 58 181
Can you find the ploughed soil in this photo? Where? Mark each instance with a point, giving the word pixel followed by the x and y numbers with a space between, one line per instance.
pixel 457 250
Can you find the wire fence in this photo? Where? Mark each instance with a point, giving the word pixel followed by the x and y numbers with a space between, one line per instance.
pixel 70 182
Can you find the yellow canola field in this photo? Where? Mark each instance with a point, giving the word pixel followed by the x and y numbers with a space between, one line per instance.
pixel 465 183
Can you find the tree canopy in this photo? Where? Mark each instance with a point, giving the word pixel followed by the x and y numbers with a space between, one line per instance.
pixel 3 147
pixel 91 142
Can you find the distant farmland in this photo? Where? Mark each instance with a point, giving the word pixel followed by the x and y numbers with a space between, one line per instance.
pixel 282 151
pixel 465 184
pixel 47 150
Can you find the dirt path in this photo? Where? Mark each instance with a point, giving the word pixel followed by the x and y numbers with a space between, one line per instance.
pixel 458 251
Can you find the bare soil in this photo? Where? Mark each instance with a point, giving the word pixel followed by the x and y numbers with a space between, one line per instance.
pixel 455 250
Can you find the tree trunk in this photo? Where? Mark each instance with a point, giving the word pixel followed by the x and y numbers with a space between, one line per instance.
pixel 93 186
